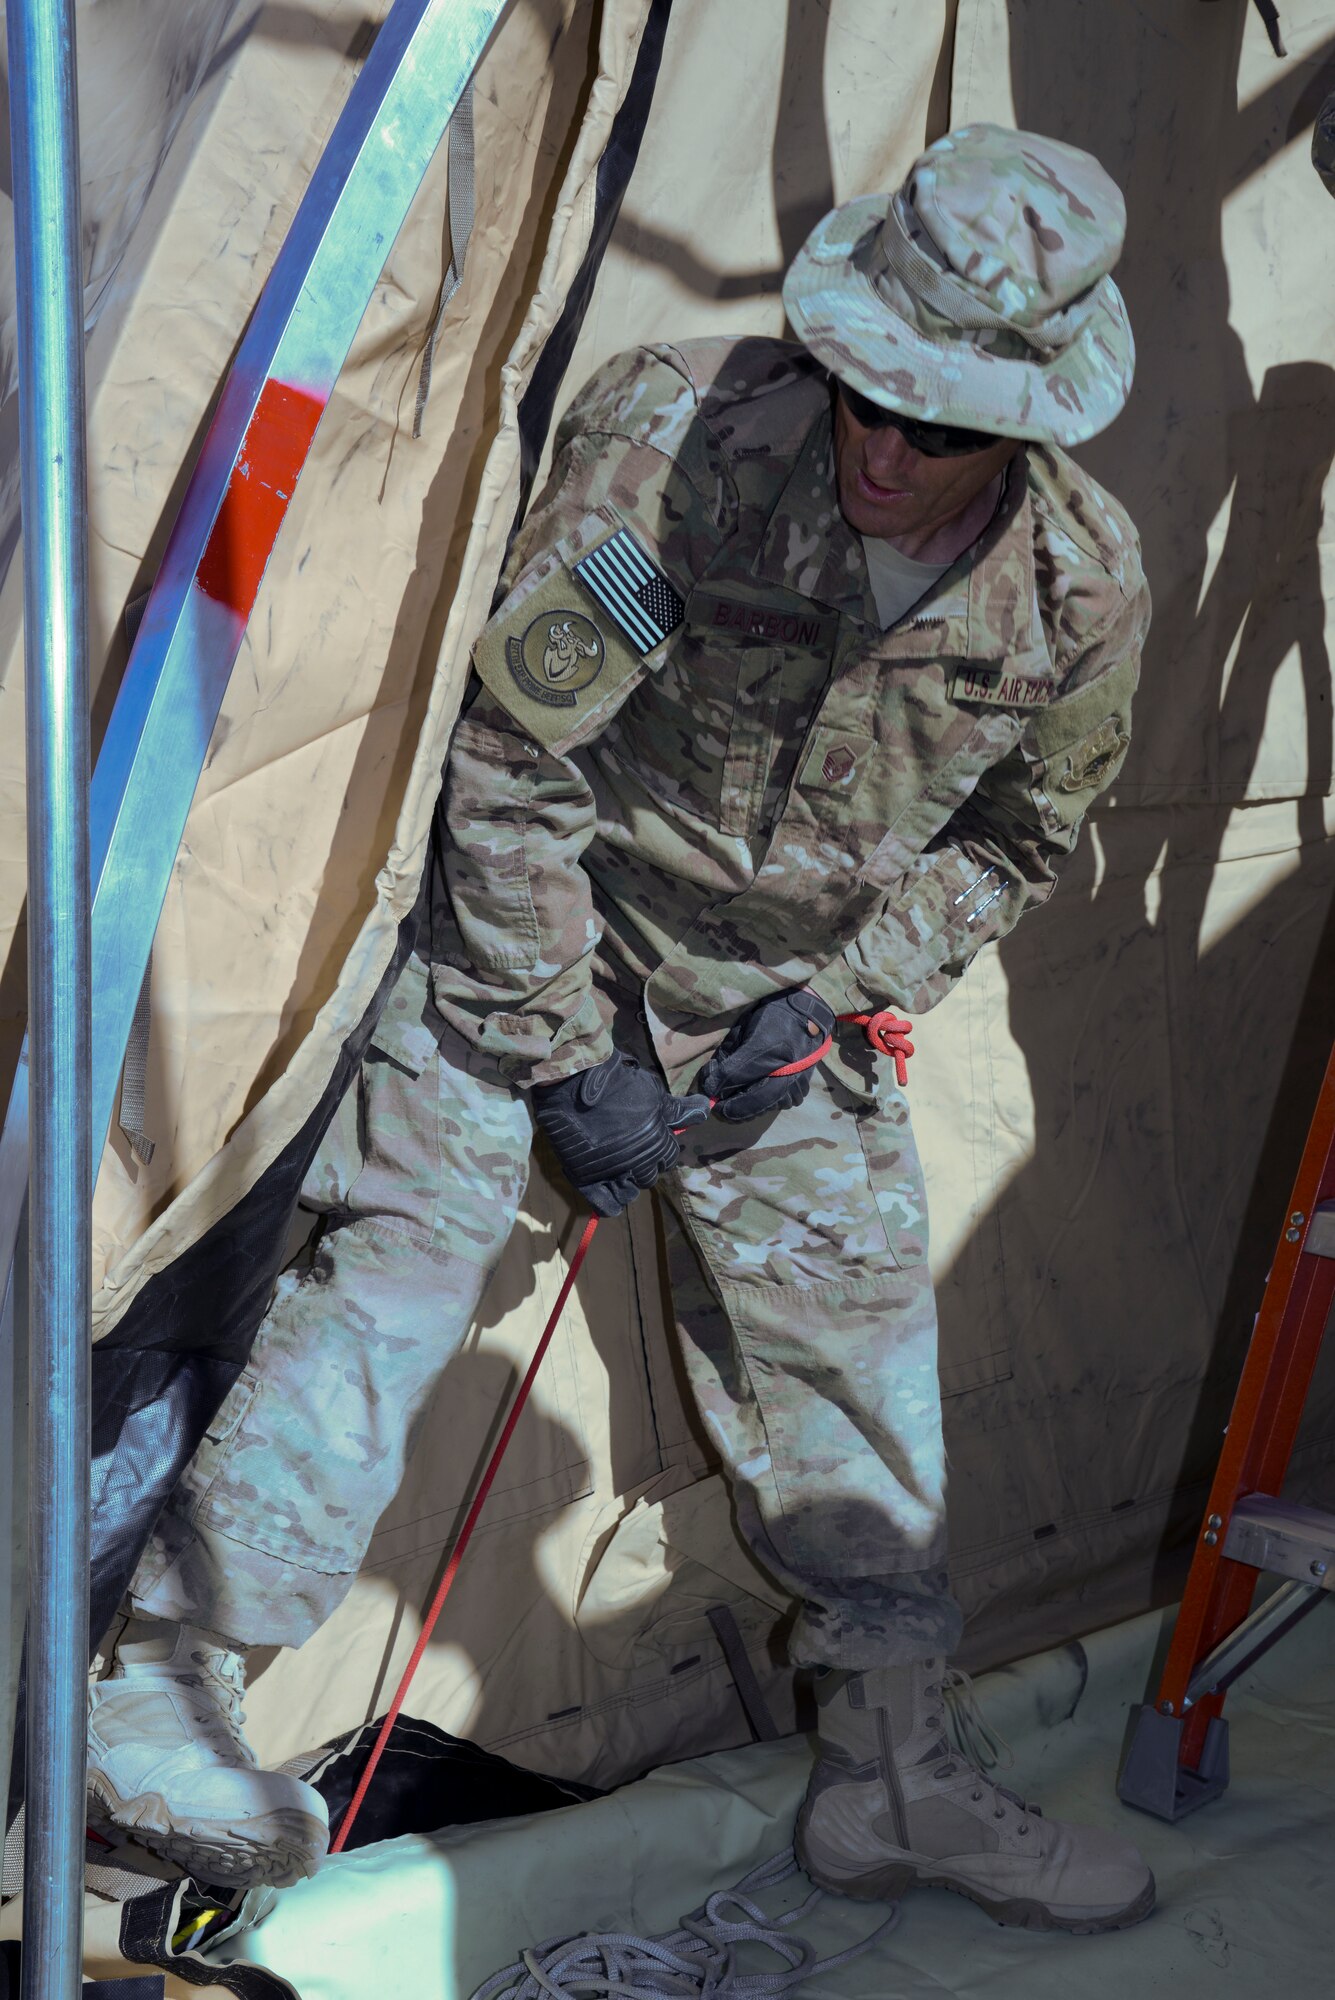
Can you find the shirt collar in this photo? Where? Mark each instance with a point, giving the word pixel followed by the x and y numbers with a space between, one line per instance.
pixel 984 608
pixel 807 545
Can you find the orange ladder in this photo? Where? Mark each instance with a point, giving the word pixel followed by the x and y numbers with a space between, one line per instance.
pixel 1177 1754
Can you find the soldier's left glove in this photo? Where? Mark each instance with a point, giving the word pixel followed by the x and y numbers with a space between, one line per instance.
pixel 611 1128
pixel 739 1075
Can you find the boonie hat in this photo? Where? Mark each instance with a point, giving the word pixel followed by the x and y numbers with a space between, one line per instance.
pixel 979 294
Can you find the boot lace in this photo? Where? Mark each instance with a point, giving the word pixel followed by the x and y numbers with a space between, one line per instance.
pixel 977 1741
pixel 220 1678
pixel 979 1747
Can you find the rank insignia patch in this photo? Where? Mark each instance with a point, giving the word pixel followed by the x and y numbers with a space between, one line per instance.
pixel 619 576
pixel 560 653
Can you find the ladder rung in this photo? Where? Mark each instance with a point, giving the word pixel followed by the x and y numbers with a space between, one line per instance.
pixel 1281 1536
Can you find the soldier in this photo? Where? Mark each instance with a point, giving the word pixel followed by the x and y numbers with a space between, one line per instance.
pixel 810 662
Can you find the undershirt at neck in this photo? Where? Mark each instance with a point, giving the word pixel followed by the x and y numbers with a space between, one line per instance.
pixel 897 582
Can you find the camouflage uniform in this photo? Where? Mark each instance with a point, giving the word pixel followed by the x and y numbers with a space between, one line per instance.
pixel 776 794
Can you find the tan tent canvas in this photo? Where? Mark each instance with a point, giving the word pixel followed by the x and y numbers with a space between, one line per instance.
pixel 1112 1104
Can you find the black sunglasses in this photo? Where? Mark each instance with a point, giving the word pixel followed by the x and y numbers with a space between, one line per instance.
pixel 932 440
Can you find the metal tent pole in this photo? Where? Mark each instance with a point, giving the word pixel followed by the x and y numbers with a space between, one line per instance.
pixel 48 260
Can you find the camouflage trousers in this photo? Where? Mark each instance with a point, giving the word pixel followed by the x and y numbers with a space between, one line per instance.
pixel 801 1293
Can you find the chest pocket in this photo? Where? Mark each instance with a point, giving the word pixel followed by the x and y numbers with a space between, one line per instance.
pixel 715 732
pixel 747 760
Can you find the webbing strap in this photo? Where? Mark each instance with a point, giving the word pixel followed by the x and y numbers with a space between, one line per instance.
pixel 462 196
pixel 749 1693
pixel 148 1928
pixel 134 1075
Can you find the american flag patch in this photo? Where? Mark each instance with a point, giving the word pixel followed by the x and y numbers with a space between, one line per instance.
pixel 624 581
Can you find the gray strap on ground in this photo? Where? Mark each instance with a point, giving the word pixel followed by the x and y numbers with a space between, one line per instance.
pixel 461 228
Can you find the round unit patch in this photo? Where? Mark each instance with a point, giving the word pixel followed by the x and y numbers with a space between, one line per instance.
pixel 558 656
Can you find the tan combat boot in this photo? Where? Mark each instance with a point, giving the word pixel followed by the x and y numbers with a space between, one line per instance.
pixel 169 1764
pixel 891 1807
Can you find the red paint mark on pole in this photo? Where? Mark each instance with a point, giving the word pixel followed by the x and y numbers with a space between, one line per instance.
pixel 276 445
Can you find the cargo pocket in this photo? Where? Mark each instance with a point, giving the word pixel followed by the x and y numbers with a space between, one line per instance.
pixel 894 1171
pixel 212 1462
pixel 406 1038
pixel 234 1408
pixel 846 1471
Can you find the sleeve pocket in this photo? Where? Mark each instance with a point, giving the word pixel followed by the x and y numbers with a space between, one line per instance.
pixel 488 792
pixel 1076 749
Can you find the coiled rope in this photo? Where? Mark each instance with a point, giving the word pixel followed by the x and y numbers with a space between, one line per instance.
pixel 699 1961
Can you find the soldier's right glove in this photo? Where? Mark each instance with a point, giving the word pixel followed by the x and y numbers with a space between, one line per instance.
pixel 739 1075
pixel 611 1128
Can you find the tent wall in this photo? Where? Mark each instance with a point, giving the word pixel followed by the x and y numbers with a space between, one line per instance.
pixel 1145 1063
pixel 142 63
pixel 1111 1105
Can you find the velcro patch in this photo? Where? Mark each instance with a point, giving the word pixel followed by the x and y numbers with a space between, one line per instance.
pixel 554 656
pixel 772 624
pixel 632 589
pixel 1087 764
pixel 558 654
pixel 1003 690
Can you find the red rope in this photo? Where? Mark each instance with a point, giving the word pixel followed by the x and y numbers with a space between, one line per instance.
pixel 446 1584
pixel 805 1062
pixel 888 1036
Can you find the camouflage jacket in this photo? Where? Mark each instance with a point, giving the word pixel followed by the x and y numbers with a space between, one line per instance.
pixel 694 767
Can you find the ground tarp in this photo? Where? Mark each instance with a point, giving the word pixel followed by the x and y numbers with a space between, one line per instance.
pixel 1243 1884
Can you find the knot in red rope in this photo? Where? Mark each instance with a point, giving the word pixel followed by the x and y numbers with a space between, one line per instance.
pixel 889 1036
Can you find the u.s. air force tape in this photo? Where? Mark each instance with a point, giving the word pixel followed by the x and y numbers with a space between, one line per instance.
pixel 631 589
pixel 1006 690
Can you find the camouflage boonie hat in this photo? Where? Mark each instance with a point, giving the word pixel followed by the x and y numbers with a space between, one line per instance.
pixel 979 294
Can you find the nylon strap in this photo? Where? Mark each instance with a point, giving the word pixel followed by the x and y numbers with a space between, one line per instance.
pixel 749 1692
pixel 462 186
pixel 150 1923
pixel 134 1075
pixel 134 1071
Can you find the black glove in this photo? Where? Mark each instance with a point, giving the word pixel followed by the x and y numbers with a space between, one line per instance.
pixel 611 1127
pixel 777 1032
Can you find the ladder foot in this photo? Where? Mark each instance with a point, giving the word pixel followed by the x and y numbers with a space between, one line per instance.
pixel 1151 1778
